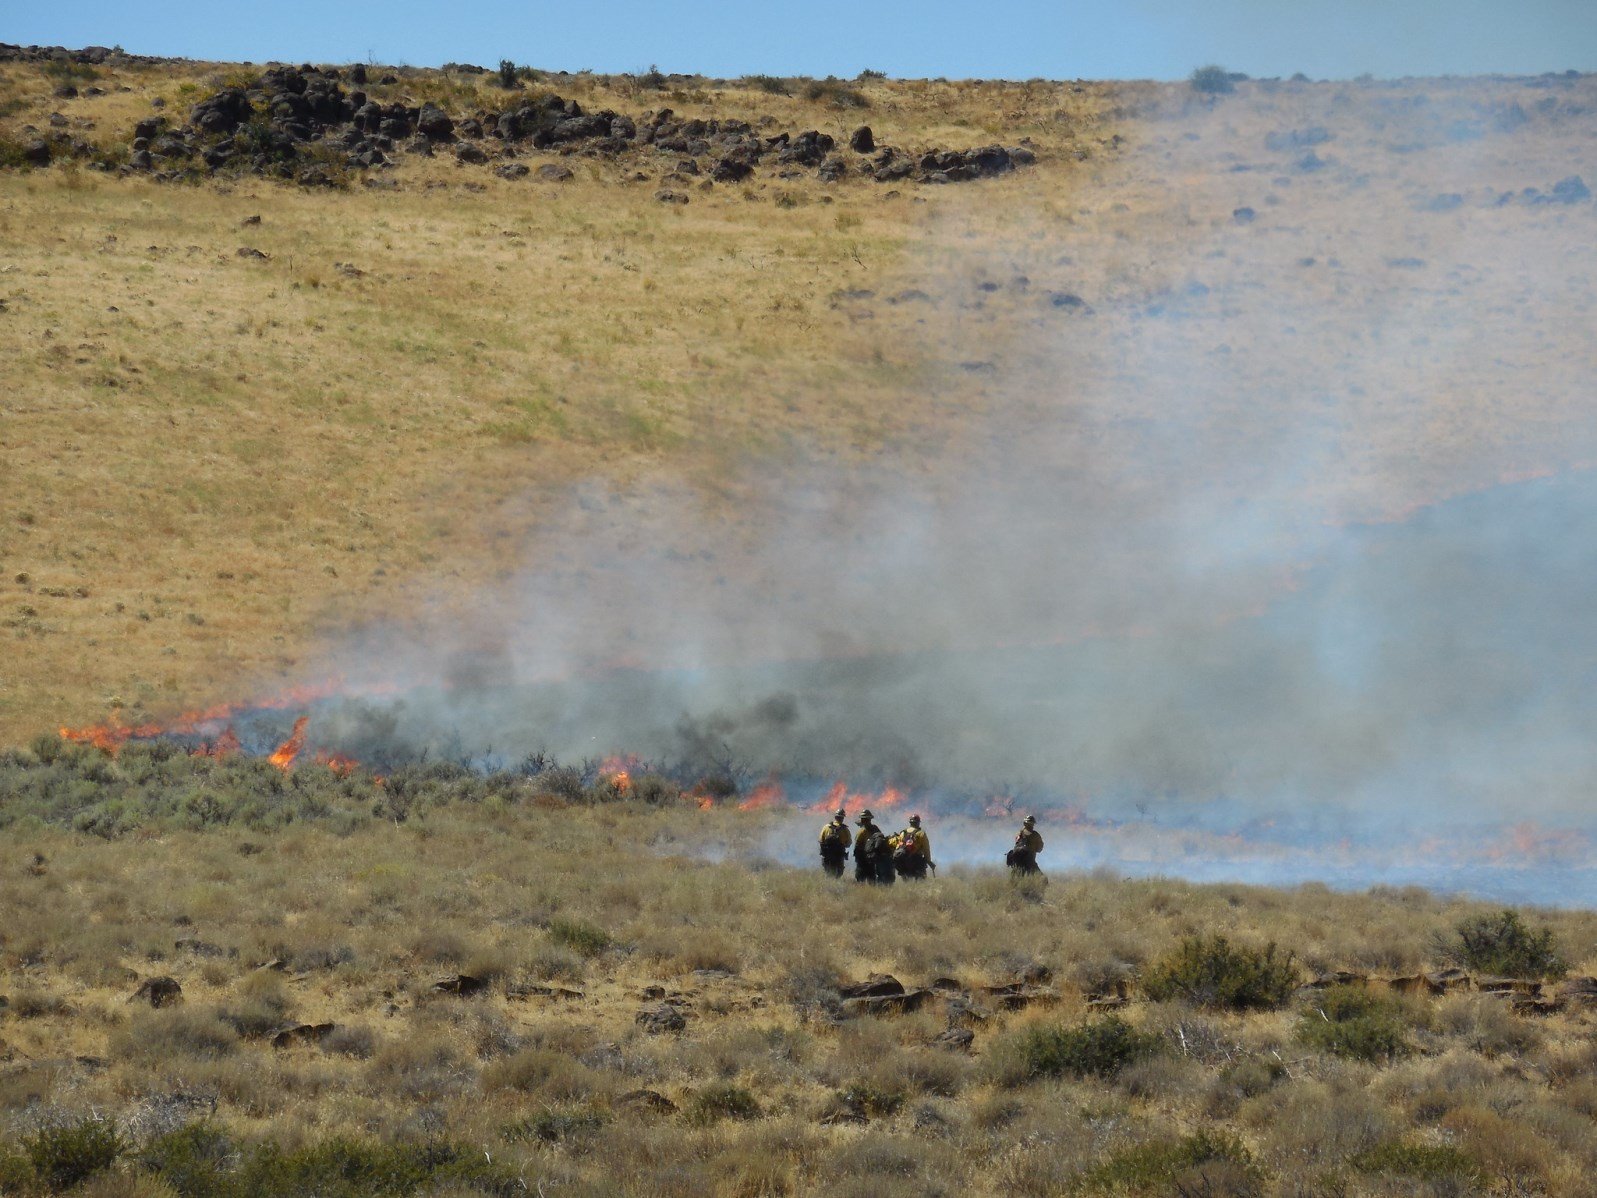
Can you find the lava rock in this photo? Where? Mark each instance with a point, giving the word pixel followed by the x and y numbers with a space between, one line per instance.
pixel 862 140
pixel 433 122
pixel 661 1019
pixel 553 172
pixel 466 152
pixel 513 170
pixel 158 992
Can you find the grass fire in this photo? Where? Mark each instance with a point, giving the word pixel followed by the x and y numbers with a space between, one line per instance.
pixel 666 635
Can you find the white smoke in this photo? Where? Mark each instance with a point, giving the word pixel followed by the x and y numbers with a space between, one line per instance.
pixel 1141 589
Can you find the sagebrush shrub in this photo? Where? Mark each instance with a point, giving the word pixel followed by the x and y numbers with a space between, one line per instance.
pixel 722 1100
pixel 1503 944
pixel 1349 1021
pixel 1209 971
pixel 1099 1049
pixel 71 1153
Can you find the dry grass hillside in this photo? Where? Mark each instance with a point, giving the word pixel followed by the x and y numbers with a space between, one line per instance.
pixel 212 460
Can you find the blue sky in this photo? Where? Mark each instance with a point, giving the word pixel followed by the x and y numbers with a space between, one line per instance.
pixel 1018 39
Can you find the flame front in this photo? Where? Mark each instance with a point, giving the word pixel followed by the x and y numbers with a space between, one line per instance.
pixel 283 758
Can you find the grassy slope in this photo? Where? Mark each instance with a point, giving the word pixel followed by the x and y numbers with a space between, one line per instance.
pixel 266 445
pixel 230 456
pixel 365 914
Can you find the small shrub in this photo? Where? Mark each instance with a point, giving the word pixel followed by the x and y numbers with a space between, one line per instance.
pixel 1427 1162
pixel 1211 972
pixel 1503 944
pixel 1349 1021
pixel 555 1126
pixel 578 936
pixel 723 1101
pixel 508 75
pixel 358 1043
pixel 192 1160
pixel 838 95
pixel 1100 1049
pixel 65 1156
pixel 770 84
pixel 1205 1162
pixel 1212 81
pixel 175 1034
pixel 863 1101
pixel 653 78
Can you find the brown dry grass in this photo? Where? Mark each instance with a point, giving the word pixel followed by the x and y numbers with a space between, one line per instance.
pixel 365 922
pixel 232 456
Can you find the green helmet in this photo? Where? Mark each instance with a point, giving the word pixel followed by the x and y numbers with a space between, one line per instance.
pixel 865 817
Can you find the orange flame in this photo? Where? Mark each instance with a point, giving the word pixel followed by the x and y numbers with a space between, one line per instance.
pixel 340 763
pixel 113 734
pixel 283 758
pixel 766 794
pixel 617 771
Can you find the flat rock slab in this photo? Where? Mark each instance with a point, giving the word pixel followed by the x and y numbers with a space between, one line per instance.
pixel 878 985
pixel 461 984
pixel 887 1004
pixel 1017 996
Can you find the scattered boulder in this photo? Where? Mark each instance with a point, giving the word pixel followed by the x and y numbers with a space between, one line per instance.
pixel 878 985
pixel 553 172
pixel 887 1004
pixel 461 984
pixel 36 152
pixel 433 123
pixel 955 1039
pixel 467 152
pixel 301 1033
pixel 248 251
pixel 1018 996
pixel 158 992
pixel 513 170
pixel 731 170
pixel 661 1019
pixel 666 196
pixel 862 140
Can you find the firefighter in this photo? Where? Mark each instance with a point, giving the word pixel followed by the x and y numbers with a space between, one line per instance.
pixel 873 860
pixel 1022 859
pixel 834 843
pixel 914 851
